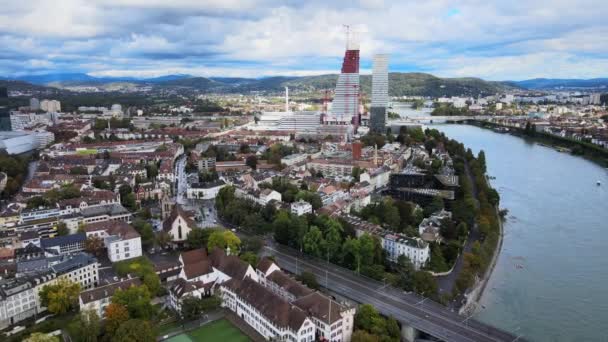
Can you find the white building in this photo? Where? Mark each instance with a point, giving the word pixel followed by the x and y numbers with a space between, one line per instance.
pixel 99 298
pixel 179 224
pixel 301 208
pixel 294 159
pixel 268 195
pixel 50 106
pixel 121 240
pixel 270 315
pixel 205 190
pixel 333 321
pixel 19 297
pixel 395 244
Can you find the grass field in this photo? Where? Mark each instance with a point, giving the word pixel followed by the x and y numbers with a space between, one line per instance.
pixel 221 330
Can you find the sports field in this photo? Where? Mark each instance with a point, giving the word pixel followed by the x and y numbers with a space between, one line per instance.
pixel 221 330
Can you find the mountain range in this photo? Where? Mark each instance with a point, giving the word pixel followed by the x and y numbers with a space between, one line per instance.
pixel 400 83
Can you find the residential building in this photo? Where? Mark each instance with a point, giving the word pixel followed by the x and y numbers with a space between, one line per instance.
pixel 121 240
pixel 206 164
pixel 301 207
pixel 66 244
pixel 293 159
pixel 395 244
pixel 99 298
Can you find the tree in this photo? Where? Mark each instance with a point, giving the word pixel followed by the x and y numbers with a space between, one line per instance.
pixel 41 337
pixel 309 279
pixel 163 238
pixel 85 327
pixel 61 296
pixel 366 317
pixel 313 242
pixel 351 254
pixel 433 207
pixel 198 238
pixel 224 239
pixel 115 315
pixel 62 229
pixel 191 308
pixel 363 336
pixel 366 249
pixel 333 239
pixel 94 245
pixel 135 330
pixel 481 159
pixel 424 283
pixel 137 301
pixel 250 258
pixel 252 162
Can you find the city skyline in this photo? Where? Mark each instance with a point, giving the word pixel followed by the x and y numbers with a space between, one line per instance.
pixel 132 38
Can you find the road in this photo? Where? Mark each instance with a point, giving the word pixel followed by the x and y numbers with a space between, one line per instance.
pixel 414 310
pixel 182 183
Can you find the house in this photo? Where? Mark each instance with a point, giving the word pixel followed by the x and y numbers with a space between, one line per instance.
pixel 395 244
pixel 121 240
pixel 179 224
pixel 268 195
pixel 301 207
pixel 99 298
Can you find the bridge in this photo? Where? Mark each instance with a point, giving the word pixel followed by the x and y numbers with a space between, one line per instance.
pixel 439 119
pixel 416 313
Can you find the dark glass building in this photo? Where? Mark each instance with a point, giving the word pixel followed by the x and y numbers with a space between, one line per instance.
pixel 5 116
pixel 377 120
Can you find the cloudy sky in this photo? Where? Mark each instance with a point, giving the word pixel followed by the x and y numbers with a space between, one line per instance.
pixel 491 39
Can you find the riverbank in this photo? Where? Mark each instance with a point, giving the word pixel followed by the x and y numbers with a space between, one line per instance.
pixel 474 295
pixel 583 149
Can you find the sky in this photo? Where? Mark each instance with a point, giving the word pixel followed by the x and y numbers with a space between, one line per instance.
pixel 490 39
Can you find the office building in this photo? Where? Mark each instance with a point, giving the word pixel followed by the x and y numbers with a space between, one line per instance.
pixel 5 118
pixel 345 106
pixel 379 94
pixel 34 104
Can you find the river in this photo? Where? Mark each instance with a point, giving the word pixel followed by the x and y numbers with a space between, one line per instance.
pixel 550 280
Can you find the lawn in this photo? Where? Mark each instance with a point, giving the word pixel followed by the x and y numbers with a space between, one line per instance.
pixel 221 330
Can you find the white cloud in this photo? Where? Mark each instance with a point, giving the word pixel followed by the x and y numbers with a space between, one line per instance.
pixel 490 39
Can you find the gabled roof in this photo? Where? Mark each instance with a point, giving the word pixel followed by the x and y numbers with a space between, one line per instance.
pixel 289 284
pixel 107 291
pixel 181 287
pixel 265 264
pixel 271 306
pixel 176 212
pixel 318 306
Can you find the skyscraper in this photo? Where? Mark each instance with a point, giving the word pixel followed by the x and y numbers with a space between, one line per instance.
pixel 5 116
pixel 379 94
pixel 345 106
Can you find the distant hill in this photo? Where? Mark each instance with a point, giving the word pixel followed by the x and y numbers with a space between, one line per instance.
pixel 400 83
pixel 420 84
pixel 555 83
pixel 14 85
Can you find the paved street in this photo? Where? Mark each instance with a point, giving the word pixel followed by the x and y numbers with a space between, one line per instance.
pixel 411 309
